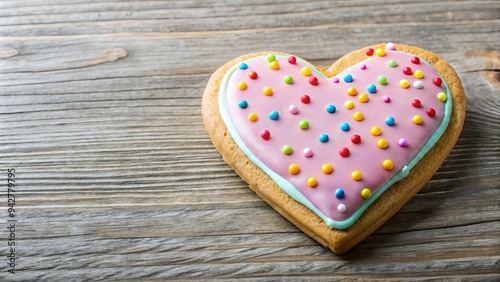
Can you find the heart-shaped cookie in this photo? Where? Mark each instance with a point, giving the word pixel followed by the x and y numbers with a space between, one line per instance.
pixel 336 151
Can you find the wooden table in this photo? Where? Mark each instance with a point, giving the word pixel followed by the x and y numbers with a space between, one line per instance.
pixel 116 178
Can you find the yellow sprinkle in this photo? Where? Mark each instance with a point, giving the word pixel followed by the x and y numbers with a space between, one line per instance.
pixel 352 91
pixel 312 182
pixel 268 91
pixel 274 65
pixel 242 85
pixel 356 175
pixel 253 117
pixel 441 96
pixel 305 71
pixel 418 74
pixel 358 116
pixel 388 165
pixel 349 105
pixel 366 193
pixel 376 131
pixel 417 119
pixel 380 52
pixel 404 83
pixel 363 98
pixel 293 169
pixel 382 143
pixel 327 168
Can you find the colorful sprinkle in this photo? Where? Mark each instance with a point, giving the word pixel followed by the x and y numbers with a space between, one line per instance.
pixel 288 79
pixel 369 52
pixel 388 165
pixel 335 80
pixel 437 81
pixel 349 105
pixel 265 134
pixel 341 208
pixel 418 84
pixel 403 142
pixel 304 124
pixel 313 81
pixel 292 60
pixel 358 116
pixel 344 152
pixel 352 91
pixel 366 193
pixel 356 175
pixel 390 120
pixel 242 85
pixel 274 65
pixel 331 109
pixel 253 75
pixel 312 182
pixel 415 60
pixel 274 115
pixel 380 52
pixel 345 126
pixel 404 83
pixel 418 74
pixel 271 58
pixel 305 99
pixel 371 88
pixel 376 131
pixel 441 96
pixel 417 119
pixel 243 104
pixel 305 71
pixel 416 103
pixel 293 169
pixel 386 99
pixel 307 152
pixel 243 66
pixel 390 46
pixel 327 168
pixel 363 67
pixel 363 98
pixel 293 109
pixel 253 117
pixel 268 91
pixel 348 78
pixel 356 139
pixel 339 193
pixel 382 80
pixel 407 70
pixel 382 143
pixel 392 63
pixel 287 150
pixel 323 138
pixel 431 112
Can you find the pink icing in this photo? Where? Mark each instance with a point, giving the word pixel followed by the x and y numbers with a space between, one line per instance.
pixel 366 156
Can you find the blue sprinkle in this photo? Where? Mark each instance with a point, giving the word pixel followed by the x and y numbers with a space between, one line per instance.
pixel 389 121
pixel 243 66
pixel 331 109
pixel 339 193
pixel 243 104
pixel 274 115
pixel 348 78
pixel 345 126
pixel 371 88
pixel 323 138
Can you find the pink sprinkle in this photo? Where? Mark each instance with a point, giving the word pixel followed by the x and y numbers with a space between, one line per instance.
pixel 386 99
pixel 363 67
pixel 403 142
pixel 335 80
pixel 307 152
pixel 293 109
pixel 390 46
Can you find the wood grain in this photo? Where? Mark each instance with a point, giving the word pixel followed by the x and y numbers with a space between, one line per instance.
pixel 118 180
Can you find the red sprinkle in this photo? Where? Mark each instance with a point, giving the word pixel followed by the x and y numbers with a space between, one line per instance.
pixel 265 134
pixel 344 152
pixel 292 60
pixel 305 99
pixel 431 112
pixel 313 81
pixel 253 75
pixel 369 51
pixel 437 81
pixel 407 70
pixel 416 103
pixel 356 139
pixel 415 60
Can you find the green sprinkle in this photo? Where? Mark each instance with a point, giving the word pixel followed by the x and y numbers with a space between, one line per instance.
pixel 287 150
pixel 288 79
pixel 382 79
pixel 271 58
pixel 304 124
pixel 392 64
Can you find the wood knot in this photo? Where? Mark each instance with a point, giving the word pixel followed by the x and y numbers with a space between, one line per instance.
pixel 7 52
pixel 491 66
